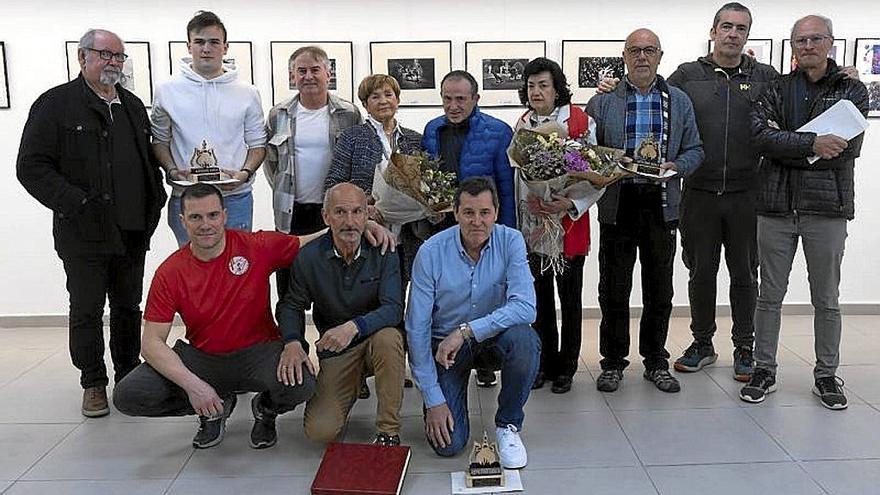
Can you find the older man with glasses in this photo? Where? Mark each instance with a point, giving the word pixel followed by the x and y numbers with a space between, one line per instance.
pixel 641 214
pixel 85 155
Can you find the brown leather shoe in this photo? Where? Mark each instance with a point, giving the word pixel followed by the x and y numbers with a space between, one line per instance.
pixel 95 402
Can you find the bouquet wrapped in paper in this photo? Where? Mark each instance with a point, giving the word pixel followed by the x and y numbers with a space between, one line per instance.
pixel 408 188
pixel 550 164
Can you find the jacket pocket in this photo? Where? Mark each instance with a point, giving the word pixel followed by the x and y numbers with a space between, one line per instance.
pixel 279 149
pixel 91 222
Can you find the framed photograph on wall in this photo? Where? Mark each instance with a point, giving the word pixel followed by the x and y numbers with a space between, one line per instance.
pixel 418 67
pixel 4 78
pixel 867 62
pixel 586 62
pixel 339 53
pixel 498 67
pixel 837 53
pixel 240 55
pixel 137 72
pixel 760 49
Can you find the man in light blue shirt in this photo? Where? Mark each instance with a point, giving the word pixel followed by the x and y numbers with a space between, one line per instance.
pixel 472 294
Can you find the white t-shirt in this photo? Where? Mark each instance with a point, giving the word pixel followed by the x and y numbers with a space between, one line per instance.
pixel 313 153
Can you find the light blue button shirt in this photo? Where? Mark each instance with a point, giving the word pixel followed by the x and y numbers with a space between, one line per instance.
pixel 448 288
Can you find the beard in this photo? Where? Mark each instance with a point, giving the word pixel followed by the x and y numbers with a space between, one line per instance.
pixel 110 77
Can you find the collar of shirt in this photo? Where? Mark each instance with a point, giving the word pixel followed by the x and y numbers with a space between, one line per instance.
pixel 632 87
pixel 463 252
pixel 334 253
pixel 109 103
pixel 388 145
pixel 535 120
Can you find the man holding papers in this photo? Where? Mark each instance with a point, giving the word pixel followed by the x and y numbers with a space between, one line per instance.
pixel 800 199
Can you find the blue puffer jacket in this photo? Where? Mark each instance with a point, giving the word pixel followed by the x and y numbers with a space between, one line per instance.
pixel 484 152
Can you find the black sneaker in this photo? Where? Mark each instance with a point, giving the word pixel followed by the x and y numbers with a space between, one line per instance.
pixel 211 429
pixel 539 381
pixel 663 380
pixel 761 384
pixel 387 440
pixel 561 385
pixel 830 392
pixel 743 364
pixel 696 357
pixel 263 434
pixel 609 380
pixel 486 378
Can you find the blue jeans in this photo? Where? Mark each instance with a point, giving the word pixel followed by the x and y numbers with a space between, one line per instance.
pixel 239 208
pixel 518 352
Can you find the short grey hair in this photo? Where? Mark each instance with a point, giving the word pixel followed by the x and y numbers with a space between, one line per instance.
pixel 822 18
pixel 88 39
pixel 315 52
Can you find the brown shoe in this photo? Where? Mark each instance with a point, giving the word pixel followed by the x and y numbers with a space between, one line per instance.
pixel 95 402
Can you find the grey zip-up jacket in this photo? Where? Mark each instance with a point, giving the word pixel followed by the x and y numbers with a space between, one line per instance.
pixel 723 104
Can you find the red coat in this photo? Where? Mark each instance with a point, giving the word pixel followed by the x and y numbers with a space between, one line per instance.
pixel 577 232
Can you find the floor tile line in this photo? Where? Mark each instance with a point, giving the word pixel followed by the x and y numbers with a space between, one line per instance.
pixel 29 369
pixel 192 453
pixel 632 447
pixel 50 450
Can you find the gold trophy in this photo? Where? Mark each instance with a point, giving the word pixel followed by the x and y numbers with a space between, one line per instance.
pixel 484 467
pixel 645 161
pixel 203 165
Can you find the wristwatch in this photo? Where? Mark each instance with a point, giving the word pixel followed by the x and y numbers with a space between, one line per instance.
pixel 466 332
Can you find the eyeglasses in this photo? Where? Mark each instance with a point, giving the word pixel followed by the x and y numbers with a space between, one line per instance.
pixel 815 39
pixel 649 51
pixel 107 55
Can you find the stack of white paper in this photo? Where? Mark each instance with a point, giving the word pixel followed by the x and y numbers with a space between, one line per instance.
pixel 843 119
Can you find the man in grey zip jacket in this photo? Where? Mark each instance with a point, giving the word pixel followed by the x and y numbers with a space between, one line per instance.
pixel 718 200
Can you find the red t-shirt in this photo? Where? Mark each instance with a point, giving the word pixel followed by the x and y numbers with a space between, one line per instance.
pixel 224 302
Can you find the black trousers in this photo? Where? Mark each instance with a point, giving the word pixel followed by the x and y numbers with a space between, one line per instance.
pixel 559 360
pixel 708 222
pixel 91 281
pixel 145 392
pixel 307 220
pixel 640 228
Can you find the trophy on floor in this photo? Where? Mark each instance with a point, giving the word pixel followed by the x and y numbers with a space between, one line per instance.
pixel 484 467
pixel 203 165
pixel 645 159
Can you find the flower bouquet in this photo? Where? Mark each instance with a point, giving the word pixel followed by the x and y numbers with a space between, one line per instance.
pixel 550 164
pixel 412 187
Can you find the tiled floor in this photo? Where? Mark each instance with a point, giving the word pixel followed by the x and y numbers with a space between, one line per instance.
pixel 635 441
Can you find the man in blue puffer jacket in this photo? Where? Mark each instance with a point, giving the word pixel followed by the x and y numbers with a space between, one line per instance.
pixel 471 143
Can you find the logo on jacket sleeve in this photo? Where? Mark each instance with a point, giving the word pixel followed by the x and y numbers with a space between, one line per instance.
pixel 238 265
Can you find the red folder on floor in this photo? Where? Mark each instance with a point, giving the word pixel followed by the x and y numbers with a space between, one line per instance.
pixel 361 469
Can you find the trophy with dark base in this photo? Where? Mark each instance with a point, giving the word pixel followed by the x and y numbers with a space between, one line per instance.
pixel 645 159
pixel 203 165
pixel 484 468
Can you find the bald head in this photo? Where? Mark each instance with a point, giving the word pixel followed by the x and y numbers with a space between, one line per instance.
pixel 345 190
pixel 642 54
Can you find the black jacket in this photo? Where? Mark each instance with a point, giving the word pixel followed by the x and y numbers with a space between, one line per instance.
pixel 723 106
pixel 788 183
pixel 64 162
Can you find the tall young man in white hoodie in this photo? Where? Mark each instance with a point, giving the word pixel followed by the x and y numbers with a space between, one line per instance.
pixel 206 103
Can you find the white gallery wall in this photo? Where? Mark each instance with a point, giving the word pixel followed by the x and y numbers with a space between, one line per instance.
pixel 32 281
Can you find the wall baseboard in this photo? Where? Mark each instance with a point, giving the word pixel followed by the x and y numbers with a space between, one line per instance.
pixel 42 321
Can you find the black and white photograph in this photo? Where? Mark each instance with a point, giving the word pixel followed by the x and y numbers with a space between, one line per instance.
pixel 503 73
pixel 412 73
pixel 136 72
pixel 586 62
pixel 340 57
pixel 4 78
pixel 867 62
pixel 837 53
pixel 759 49
pixel 498 67
pixel 592 70
pixel 418 67
pixel 239 56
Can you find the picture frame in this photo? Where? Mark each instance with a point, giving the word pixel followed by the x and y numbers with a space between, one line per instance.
pixel 586 62
pixel 239 55
pixel 418 67
pixel 787 62
pixel 341 58
pixel 4 79
pixel 137 71
pixel 759 48
pixel 498 67
pixel 867 62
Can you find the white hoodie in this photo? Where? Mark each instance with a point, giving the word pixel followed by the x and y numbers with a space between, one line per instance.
pixel 189 109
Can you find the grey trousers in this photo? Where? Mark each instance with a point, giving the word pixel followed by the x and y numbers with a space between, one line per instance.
pixel 824 239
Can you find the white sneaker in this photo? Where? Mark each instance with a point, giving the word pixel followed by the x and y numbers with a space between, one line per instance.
pixel 511 448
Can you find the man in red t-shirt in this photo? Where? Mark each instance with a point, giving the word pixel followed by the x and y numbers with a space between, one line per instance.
pixel 219 285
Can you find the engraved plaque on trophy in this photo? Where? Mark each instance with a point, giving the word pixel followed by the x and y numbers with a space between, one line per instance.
pixel 203 165
pixel 645 161
pixel 484 467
